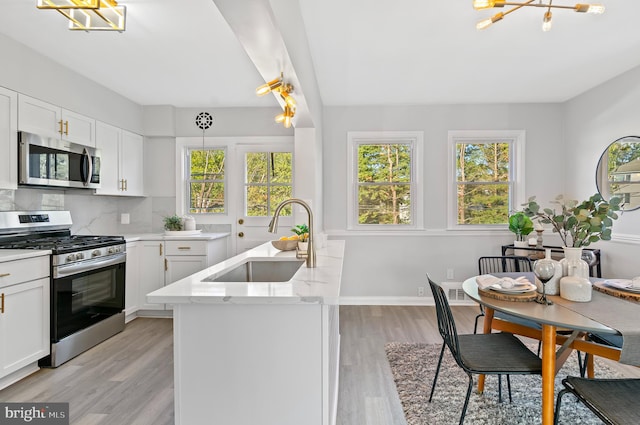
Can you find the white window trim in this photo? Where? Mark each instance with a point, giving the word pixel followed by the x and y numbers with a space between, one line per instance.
pixel 416 139
pixel 516 169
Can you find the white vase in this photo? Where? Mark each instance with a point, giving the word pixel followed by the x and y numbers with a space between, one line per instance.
pixel 521 252
pixel 573 264
pixel 575 285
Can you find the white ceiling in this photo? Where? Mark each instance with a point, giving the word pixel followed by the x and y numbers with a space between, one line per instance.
pixel 366 52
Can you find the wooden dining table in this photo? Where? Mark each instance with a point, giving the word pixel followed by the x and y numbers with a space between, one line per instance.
pixel 556 347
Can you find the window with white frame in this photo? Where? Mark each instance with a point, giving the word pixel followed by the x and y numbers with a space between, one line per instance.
pixel 486 177
pixel 205 181
pixel 384 175
pixel 268 181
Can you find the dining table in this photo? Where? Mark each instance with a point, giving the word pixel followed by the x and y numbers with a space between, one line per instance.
pixel 604 314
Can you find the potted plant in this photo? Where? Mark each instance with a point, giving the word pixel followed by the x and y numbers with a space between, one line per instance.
pixel 173 223
pixel 521 225
pixel 302 230
pixel 578 224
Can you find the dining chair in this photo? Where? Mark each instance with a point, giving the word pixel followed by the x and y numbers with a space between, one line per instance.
pixel 487 354
pixel 614 401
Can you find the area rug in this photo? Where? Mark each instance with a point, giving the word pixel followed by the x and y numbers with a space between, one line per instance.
pixel 413 367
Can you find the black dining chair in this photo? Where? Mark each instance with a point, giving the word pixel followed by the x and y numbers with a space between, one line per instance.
pixel 614 401
pixel 487 354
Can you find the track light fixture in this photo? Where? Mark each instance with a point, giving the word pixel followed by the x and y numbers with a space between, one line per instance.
pixel 89 15
pixel 285 90
pixel 546 4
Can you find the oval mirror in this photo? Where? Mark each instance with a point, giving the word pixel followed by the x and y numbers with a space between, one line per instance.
pixel 618 172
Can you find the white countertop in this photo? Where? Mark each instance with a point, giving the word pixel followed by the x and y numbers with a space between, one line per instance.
pixel 319 285
pixel 162 236
pixel 19 254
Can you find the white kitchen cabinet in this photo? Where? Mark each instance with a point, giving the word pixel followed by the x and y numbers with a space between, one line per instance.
pixel 24 317
pixel 132 280
pixel 151 255
pixel 45 119
pixel 167 261
pixel 121 161
pixel 8 139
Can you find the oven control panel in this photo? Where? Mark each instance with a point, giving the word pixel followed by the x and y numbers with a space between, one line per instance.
pixel 88 254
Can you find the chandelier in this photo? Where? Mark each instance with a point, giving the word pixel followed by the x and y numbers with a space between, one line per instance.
pixel 545 4
pixel 89 15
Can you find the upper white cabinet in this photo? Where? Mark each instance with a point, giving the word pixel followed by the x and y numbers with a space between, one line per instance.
pixel 8 139
pixel 121 161
pixel 45 119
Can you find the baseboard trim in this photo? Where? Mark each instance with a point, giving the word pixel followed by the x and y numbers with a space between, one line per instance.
pixel 426 301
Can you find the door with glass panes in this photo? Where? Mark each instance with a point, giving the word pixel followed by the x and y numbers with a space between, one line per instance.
pixel 267 180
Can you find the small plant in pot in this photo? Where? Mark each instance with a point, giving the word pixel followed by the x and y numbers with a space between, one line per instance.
pixel 521 225
pixel 302 230
pixel 173 223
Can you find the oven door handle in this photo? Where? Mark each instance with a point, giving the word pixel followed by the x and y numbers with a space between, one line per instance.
pixel 63 271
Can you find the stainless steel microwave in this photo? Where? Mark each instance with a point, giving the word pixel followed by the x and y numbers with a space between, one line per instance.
pixel 45 161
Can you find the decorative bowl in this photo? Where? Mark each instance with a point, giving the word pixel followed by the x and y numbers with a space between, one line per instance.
pixel 285 245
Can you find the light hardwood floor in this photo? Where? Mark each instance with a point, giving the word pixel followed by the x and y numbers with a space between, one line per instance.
pixel 128 379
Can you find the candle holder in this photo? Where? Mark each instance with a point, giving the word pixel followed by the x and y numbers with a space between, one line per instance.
pixel 539 240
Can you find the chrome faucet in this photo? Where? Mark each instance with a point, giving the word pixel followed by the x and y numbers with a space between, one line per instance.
pixel 273 227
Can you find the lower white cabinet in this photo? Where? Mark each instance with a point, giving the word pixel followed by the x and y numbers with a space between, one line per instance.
pixel 24 316
pixel 162 262
pixel 151 263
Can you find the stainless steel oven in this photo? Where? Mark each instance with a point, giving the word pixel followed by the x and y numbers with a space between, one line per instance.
pixel 87 303
pixel 45 161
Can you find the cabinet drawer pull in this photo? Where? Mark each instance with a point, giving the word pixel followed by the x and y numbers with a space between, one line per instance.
pixel 160 249
pixel 183 248
pixel 166 264
pixel 5 274
pixel 60 130
pixel 2 303
pixel 66 128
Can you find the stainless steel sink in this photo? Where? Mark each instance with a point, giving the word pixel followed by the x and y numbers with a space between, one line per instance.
pixel 259 271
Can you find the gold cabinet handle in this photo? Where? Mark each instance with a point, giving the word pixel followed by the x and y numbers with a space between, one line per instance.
pixel 241 235
pixel 121 184
pixel 60 124
pixel 126 184
pixel 160 249
pixel 184 248
pixel 5 274
pixel 2 303
pixel 166 264
pixel 66 128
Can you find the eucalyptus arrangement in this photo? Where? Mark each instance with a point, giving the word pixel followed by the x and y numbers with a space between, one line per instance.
pixel 521 225
pixel 578 224
pixel 172 223
pixel 302 230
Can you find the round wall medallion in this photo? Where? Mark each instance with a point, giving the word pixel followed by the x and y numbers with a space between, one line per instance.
pixel 204 120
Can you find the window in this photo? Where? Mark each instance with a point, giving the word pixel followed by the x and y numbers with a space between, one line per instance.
pixel 267 182
pixel 384 175
pixel 486 177
pixel 205 182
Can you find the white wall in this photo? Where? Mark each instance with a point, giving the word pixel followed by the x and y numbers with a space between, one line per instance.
pixel 392 265
pixel 593 120
pixel 30 73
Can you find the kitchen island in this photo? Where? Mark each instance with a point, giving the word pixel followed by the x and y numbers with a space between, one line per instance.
pixel 257 352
